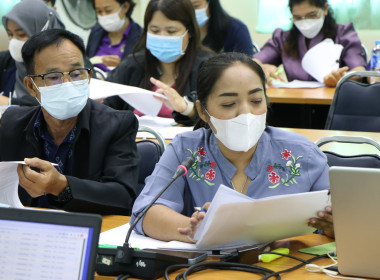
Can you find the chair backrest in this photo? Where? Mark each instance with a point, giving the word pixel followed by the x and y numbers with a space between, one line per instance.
pixel 150 152
pixel 364 53
pixel 356 105
pixel 354 160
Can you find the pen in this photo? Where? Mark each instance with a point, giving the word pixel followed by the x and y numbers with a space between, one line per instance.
pixel 200 209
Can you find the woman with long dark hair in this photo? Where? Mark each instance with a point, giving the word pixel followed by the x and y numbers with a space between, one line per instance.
pixel 234 147
pixel 312 23
pixel 219 31
pixel 166 59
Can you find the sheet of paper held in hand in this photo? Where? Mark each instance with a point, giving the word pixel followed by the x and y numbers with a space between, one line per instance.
pixel 9 183
pixel 233 216
pixel 321 59
pixel 141 99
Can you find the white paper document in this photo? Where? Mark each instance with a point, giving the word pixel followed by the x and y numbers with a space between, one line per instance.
pixel 117 236
pixel 141 99
pixel 297 84
pixel 165 126
pixel 9 184
pixel 321 59
pixel 233 216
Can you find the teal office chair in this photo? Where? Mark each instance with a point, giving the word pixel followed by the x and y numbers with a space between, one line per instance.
pixel 363 151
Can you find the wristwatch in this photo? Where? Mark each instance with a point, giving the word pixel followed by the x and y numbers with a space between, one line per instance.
pixel 65 195
pixel 189 108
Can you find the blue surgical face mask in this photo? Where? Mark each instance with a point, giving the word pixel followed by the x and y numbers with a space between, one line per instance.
pixel 201 16
pixel 66 100
pixel 165 48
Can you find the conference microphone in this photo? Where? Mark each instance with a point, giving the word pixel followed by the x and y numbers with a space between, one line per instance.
pixel 148 263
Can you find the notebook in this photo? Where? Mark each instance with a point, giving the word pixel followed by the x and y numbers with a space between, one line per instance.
pixel 355 196
pixel 37 244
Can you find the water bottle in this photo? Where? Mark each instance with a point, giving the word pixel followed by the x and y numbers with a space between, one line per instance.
pixel 375 61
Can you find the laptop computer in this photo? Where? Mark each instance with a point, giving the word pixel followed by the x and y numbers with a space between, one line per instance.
pixel 355 197
pixel 37 244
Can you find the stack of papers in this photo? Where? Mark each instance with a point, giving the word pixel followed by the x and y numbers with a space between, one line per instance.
pixel 167 127
pixel 297 84
pixel 234 217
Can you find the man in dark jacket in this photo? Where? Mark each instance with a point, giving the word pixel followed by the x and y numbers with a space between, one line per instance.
pixel 93 146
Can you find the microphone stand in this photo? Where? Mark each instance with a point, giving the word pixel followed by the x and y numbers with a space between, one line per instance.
pixel 145 264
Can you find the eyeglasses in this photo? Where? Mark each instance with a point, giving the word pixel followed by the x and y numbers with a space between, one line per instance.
pixel 57 78
pixel 311 15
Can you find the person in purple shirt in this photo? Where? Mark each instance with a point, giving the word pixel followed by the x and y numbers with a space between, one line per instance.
pixel 233 146
pixel 115 35
pixel 312 23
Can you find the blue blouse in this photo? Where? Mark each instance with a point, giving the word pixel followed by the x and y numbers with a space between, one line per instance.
pixel 283 163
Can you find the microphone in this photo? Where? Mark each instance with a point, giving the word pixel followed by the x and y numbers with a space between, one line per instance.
pixel 145 264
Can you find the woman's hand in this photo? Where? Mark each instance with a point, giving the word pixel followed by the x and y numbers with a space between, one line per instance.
pixel 111 60
pixel 195 222
pixel 272 73
pixel 324 221
pixel 174 100
pixel 332 79
pixel 4 100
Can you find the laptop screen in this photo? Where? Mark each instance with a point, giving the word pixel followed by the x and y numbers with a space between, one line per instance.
pixel 57 248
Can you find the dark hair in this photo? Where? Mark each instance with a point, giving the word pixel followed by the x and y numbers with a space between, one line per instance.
pixel 329 27
pixel 218 25
pixel 213 69
pixel 46 38
pixel 179 10
pixel 121 2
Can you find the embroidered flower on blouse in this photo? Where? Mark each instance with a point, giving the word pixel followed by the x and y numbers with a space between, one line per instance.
pixel 286 154
pixel 273 177
pixel 202 152
pixel 210 175
pixel 196 169
pixel 292 166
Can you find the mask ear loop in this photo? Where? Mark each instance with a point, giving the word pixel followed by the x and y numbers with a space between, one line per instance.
pixel 182 36
pixel 210 119
pixel 37 89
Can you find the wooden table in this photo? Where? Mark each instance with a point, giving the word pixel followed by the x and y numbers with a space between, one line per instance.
pixel 316 96
pixel 315 134
pixel 294 244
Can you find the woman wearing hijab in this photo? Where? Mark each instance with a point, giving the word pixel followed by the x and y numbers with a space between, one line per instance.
pixel 25 19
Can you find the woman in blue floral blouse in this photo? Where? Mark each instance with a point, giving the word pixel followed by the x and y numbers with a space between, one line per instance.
pixel 232 146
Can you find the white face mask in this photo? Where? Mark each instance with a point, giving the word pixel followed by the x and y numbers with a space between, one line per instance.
pixel 15 47
pixel 240 133
pixel 66 100
pixel 310 27
pixel 201 16
pixel 112 22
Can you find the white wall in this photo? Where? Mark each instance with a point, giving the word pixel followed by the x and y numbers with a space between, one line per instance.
pixel 245 10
